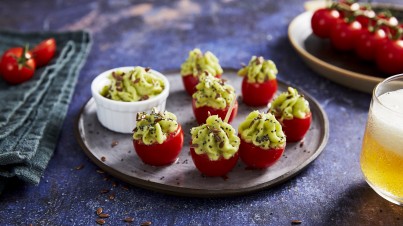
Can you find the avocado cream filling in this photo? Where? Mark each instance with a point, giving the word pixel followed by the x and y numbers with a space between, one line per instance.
pixel 213 92
pixel 215 138
pixel 197 64
pixel 154 127
pixel 289 105
pixel 262 130
pixel 258 70
pixel 135 85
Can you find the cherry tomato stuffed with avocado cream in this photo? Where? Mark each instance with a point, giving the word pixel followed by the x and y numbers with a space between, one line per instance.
pixel 214 147
pixel 157 138
pixel 292 111
pixel 44 52
pixel 213 97
pixel 296 128
pixel 262 140
pixel 196 65
pixel 190 82
pixel 217 168
pixel 17 65
pixel 259 83
pixel 202 113
pixel 258 94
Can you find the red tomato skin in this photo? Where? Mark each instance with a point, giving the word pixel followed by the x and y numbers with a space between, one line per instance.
pixel 218 168
pixel 296 128
pixel 44 52
pixel 368 43
pixel 161 154
pixel 389 57
pixel 322 22
pixel 202 113
pixel 258 158
pixel 391 20
pixel 258 94
pixel 190 82
pixel 401 27
pixel 9 68
pixel 364 21
pixel 344 35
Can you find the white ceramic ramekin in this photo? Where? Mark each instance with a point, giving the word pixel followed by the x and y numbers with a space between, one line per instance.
pixel 120 116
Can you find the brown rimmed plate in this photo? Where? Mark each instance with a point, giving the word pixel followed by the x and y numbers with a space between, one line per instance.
pixel 343 68
pixel 182 178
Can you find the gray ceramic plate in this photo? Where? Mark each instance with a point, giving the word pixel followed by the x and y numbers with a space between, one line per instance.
pixel 182 178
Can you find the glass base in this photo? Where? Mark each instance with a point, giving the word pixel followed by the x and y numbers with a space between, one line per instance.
pixel 386 195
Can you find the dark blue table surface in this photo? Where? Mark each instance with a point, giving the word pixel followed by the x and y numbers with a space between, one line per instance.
pixel 159 34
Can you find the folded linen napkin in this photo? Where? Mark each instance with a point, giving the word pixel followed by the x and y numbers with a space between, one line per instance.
pixel 32 113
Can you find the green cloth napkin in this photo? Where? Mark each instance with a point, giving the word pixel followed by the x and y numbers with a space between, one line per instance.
pixel 32 113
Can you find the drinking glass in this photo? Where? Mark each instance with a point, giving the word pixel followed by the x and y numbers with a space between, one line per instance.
pixel 382 147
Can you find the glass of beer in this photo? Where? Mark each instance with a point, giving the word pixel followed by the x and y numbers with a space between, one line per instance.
pixel 382 147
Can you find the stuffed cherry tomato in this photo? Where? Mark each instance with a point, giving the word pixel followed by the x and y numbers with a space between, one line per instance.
pixel 17 65
pixel 190 82
pixel 259 83
pixel 296 128
pixel 197 64
pixel 214 147
pixel 217 168
pixel 292 111
pixel 157 138
pixel 262 140
pixel 265 91
pixel 202 113
pixel 213 97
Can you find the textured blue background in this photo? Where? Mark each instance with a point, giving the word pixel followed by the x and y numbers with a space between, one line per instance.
pixel 331 191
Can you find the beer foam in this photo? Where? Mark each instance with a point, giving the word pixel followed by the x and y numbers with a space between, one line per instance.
pixel 385 121
pixel 393 100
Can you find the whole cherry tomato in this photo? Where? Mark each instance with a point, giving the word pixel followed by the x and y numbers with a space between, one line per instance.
pixel 202 113
pixel 190 82
pixel 401 29
pixel 389 57
pixel 344 35
pixel 256 157
pixel 396 31
pixel 368 42
pixel 364 19
pixel 17 65
pixel 265 91
pixel 322 22
pixel 161 154
pixel 217 168
pixel 389 19
pixel 296 128
pixel 44 52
